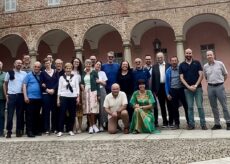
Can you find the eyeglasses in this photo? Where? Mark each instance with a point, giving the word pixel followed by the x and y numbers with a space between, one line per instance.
pixel 138 62
pixel 188 53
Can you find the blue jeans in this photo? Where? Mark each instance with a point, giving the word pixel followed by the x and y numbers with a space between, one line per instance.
pixel 2 115
pixel 198 96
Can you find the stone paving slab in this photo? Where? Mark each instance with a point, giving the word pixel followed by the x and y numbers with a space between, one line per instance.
pixel 215 161
pixel 165 134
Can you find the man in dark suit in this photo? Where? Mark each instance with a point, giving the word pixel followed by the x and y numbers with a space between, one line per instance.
pixel 158 88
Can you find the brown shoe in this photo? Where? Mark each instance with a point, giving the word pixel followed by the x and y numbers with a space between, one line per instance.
pixel 126 130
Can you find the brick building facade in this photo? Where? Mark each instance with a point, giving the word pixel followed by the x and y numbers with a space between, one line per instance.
pixel 131 28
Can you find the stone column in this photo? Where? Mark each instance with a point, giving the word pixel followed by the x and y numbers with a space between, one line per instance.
pixel 78 52
pixel 180 48
pixel 33 56
pixel 127 52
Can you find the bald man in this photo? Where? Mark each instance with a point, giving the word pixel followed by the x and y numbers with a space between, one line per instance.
pixel 158 88
pixel 191 75
pixel 33 99
pixel 14 97
pixel 115 105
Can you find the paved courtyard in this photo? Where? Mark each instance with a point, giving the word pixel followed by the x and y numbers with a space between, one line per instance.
pixel 170 146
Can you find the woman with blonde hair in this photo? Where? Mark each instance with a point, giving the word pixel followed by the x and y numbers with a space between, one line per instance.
pixel 68 98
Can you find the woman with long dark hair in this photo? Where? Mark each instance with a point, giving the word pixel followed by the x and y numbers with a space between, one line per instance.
pixel 77 71
pixel 125 80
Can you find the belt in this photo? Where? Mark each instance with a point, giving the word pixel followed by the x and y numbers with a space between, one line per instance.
pixel 215 85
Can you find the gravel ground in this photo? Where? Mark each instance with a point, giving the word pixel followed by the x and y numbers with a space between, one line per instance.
pixel 124 151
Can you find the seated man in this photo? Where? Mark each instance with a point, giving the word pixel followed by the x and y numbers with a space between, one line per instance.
pixel 115 105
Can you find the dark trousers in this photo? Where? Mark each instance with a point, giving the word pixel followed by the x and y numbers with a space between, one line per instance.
pixel 33 122
pixel 162 101
pixel 15 101
pixel 67 104
pixel 177 97
pixel 155 111
pixel 2 115
pixel 48 105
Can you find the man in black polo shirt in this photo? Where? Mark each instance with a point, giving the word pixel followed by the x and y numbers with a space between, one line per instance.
pixel 191 75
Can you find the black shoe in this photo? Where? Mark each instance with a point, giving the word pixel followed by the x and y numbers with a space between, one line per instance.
pixel 228 126
pixel 18 135
pixel 171 126
pixel 8 135
pixel 30 135
pixel 190 127
pixel 176 127
pixel 204 127
pixel 215 127
pixel 2 134
pixel 165 126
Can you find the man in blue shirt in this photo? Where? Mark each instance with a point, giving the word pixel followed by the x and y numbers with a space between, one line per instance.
pixel 32 96
pixel 175 91
pixel 140 73
pixel 111 71
pixel 14 97
pixel 191 75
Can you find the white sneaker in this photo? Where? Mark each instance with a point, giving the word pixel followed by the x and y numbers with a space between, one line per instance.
pixel 59 134
pixel 95 129
pixel 90 130
pixel 71 133
pixel 101 129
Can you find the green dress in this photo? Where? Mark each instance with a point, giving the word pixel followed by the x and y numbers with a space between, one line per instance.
pixel 142 120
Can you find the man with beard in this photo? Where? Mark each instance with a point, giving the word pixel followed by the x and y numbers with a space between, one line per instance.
pixel 148 66
pixel 175 91
pixel 93 59
pixel 111 69
pixel 14 98
pixel 191 75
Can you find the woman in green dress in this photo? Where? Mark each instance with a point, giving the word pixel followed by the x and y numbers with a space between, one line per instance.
pixel 142 102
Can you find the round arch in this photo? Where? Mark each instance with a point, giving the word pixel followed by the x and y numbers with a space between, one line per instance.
pixel 206 17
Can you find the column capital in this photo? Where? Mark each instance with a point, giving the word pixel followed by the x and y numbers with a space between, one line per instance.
pixel 126 43
pixel 179 38
pixel 33 52
pixel 78 49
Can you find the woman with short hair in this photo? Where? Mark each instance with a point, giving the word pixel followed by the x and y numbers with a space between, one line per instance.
pixel 68 98
pixel 91 91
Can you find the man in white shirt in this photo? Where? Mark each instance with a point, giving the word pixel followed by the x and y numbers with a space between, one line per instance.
pixel 115 105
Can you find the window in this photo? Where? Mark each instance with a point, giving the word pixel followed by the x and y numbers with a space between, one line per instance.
pixel 118 57
pixel 53 2
pixel 10 5
pixel 204 49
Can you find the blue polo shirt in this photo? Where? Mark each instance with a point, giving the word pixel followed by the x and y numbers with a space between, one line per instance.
pixel 143 74
pixel 190 72
pixel 32 86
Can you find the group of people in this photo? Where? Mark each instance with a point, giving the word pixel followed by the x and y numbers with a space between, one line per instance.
pixel 53 98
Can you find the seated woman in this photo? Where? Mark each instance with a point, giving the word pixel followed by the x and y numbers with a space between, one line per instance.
pixel 142 102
